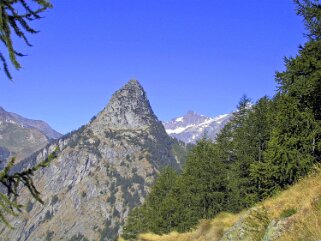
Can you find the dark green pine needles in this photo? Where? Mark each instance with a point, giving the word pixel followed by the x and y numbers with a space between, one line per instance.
pixel 10 184
pixel 15 18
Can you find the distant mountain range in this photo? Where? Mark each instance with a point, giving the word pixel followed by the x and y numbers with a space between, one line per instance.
pixel 192 126
pixel 20 136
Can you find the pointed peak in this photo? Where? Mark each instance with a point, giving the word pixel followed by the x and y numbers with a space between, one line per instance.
pixel 191 112
pixel 131 87
pixel 133 82
pixel 128 109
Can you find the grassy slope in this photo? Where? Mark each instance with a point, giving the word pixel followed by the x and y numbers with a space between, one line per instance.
pixel 296 211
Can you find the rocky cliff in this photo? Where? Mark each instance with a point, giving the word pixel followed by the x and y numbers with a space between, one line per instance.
pixel 103 170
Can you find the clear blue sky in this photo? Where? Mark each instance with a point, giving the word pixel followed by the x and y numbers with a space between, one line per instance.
pixel 199 55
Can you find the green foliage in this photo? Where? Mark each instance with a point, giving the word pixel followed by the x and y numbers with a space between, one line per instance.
pixel 288 212
pixel 136 223
pixel 13 22
pixel 180 151
pixel 178 202
pixel 295 143
pixel 151 215
pixel 204 179
pixel 264 148
pixel 310 11
pixel 10 182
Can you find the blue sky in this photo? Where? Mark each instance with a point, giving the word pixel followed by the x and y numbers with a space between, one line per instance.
pixel 199 55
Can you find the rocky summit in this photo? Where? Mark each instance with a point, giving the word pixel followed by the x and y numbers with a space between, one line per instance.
pixel 103 170
pixel 128 109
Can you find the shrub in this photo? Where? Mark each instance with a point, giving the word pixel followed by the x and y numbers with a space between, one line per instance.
pixel 288 212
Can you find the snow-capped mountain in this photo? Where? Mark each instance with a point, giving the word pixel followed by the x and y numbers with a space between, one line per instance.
pixel 192 126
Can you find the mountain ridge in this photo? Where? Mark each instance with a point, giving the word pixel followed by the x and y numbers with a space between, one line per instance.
pixel 103 170
pixel 41 125
pixel 21 137
pixel 192 126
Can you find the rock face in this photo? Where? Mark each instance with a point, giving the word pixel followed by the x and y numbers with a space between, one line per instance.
pixel 103 170
pixel 129 109
pixel 192 126
pixel 20 137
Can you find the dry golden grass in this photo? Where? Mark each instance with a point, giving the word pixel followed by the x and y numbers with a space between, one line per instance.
pixel 208 230
pixel 302 201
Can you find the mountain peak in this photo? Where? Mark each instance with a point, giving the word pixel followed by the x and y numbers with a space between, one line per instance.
pixel 134 82
pixel 192 126
pixel 192 113
pixel 128 108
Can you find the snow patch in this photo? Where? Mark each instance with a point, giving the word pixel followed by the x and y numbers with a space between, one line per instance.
pixel 179 119
pixel 220 117
pixel 178 130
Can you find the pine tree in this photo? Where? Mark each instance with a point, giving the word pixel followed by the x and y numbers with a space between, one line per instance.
pixel 242 143
pixel 238 158
pixel 295 138
pixel 310 10
pixel 289 155
pixel 10 184
pixel 136 223
pixel 12 21
pixel 156 214
pixel 204 178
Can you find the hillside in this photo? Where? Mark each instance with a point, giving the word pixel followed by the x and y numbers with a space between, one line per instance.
pixel 291 215
pixel 103 170
pixel 20 137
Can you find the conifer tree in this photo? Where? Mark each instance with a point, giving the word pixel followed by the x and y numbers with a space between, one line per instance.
pixel 241 143
pixel 237 149
pixel 136 223
pixel 310 10
pixel 204 177
pixel 296 135
pixel 15 18
pixel 156 214
pixel 10 184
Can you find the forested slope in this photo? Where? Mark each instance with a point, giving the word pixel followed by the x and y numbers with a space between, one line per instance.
pixel 264 149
